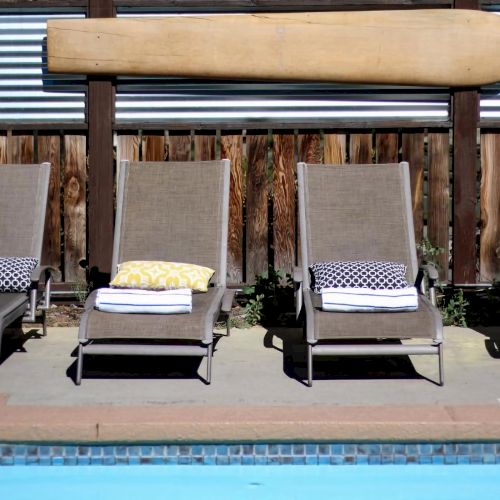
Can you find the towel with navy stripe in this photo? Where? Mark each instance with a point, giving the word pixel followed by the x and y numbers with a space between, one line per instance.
pixel 130 300
pixel 367 300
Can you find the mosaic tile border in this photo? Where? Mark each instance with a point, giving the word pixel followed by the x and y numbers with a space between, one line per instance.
pixel 252 454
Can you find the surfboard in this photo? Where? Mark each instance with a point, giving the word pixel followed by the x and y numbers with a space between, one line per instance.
pixel 403 47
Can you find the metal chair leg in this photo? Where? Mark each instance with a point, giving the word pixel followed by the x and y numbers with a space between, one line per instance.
pixel 309 365
pixel 441 365
pixel 79 365
pixel 44 322
pixel 209 363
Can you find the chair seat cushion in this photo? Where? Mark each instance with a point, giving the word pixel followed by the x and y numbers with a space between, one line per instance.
pixel 358 274
pixel 423 323
pixel 105 325
pixel 15 273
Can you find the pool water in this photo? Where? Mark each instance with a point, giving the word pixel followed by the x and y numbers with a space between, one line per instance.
pixel 391 482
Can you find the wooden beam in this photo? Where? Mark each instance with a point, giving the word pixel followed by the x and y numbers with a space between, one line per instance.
pixel 465 122
pixel 101 179
pixel 304 46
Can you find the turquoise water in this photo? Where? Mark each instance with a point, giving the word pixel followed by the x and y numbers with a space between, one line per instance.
pixel 387 482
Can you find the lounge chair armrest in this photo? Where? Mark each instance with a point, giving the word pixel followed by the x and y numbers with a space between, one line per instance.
pixel 46 271
pixel 297 275
pixel 227 300
pixel 430 271
pixel 298 279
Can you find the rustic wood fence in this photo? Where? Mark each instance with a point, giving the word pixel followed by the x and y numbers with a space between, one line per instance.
pixel 263 220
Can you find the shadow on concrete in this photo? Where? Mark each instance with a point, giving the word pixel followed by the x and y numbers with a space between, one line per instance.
pixel 492 342
pixel 336 367
pixel 14 338
pixel 141 367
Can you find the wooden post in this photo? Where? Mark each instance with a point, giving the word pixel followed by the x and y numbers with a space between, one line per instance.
pixel 100 123
pixel 465 122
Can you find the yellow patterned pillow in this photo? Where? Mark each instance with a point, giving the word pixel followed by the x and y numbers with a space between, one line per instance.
pixel 159 275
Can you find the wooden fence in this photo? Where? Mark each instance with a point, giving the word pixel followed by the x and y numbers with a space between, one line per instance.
pixel 263 219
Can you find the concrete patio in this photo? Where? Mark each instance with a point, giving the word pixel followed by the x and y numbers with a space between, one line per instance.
pixel 257 392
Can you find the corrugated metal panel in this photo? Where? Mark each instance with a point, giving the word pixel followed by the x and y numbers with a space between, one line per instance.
pixel 181 100
pixel 27 92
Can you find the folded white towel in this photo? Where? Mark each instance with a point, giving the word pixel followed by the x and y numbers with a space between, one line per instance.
pixel 131 300
pixel 368 300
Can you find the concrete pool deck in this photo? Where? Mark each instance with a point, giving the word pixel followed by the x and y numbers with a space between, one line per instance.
pixel 257 393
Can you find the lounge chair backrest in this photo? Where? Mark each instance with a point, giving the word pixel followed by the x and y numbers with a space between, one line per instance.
pixel 173 211
pixel 356 212
pixel 23 203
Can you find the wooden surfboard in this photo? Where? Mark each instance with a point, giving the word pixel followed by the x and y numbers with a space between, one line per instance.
pixel 406 47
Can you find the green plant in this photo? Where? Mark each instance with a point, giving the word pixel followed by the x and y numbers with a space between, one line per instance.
pixel 253 310
pixel 452 304
pixel 269 298
pixel 455 309
pixel 81 290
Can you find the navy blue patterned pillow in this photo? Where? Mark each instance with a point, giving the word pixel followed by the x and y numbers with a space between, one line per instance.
pixel 358 274
pixel 15 273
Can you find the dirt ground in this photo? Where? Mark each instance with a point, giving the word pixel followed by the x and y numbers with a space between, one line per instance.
pixel 64 315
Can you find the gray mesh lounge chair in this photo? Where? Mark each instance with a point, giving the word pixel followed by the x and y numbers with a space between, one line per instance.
pixel 168 211
pixel 361 212
pixel 23 202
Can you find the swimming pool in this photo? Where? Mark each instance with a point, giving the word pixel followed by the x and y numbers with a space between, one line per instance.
pixel 408 471
pixel 460 482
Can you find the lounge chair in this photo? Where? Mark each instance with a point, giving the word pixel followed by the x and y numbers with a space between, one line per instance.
pixel 362 213
pixel 166 211
pixel 23 202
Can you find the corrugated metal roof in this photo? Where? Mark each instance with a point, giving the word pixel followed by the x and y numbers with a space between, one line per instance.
pixel 27 92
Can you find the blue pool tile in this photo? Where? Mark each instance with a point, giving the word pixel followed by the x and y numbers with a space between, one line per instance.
pixel 83 451
pixel 425 459
pixel 198 460
pixel 109 460
pixel 172 450
pixel 311 460
pixel 323 459
pixel 35 461
pixel 260 460
pixel 311 449
pixel 298 449
pixel 274 460
pixel 273 449
pixel 387 449
pixel 323 449
pixel 488 449
pixel 287 460
pixel 222 450
pixel 6 460
pixel 235 449
pixel 121 451
pixel 437 448
pixel 374 449
pixel 298 460
pixel 70 460
pixel 362 459
pixel 32 451
pixel 449 449
pixel 337 449
pixel 411 449
pixel 476 449
pixel 286 449
pixel 399 459
pixel 247 460
pixel 96 451
pixel 184 460
pixel 222 460
pixel 146 451
pixel 489 458
pixel 399 449
pixel 56 461
pixel 170 461
pixel 350 460
pixel 387 459
pixel 438 459
pixel 70 451
pixel 464 449
pixel 134 451
pixel 96 460
pixel 197 450
pixel 349 449
pixel 450 459
pixel 247 449
pixel 109 451
pixel 82 460
pixel 209 459
pixel 6 451
pixel 476 459
pixel 412 459
pixel 463 459
pixel 134 460
pixel 209 450
pixel 121 461
pixel 235 460
pixel 425 449
pixel 374 460
pixel 337 459
pixel 260 449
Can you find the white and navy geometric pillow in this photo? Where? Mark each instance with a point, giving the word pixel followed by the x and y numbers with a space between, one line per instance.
pixel 15 273
pixel 358 274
